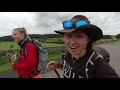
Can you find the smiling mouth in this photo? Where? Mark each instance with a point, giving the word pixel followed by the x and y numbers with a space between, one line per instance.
pixel 73 47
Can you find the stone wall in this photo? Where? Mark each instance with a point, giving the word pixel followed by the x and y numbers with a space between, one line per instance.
pixel 6 53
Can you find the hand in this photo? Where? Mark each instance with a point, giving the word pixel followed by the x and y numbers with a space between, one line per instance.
pixel 52 64
pixel 15 59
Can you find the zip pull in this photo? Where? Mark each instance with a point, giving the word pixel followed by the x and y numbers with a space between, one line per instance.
pixel 73 63
pixel 73 58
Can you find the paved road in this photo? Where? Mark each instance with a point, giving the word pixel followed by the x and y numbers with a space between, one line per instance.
pixel 113 49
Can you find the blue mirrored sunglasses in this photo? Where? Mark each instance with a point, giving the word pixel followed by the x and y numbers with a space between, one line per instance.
pixel 69 24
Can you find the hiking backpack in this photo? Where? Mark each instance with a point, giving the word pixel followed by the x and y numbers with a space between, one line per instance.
pixel 42 55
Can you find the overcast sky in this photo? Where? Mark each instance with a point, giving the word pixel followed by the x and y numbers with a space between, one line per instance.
pixel 47 22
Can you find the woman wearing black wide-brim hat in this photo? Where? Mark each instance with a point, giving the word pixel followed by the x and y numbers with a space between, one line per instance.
pixel 80 59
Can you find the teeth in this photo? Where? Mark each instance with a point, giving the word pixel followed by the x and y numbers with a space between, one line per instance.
pixel 73 47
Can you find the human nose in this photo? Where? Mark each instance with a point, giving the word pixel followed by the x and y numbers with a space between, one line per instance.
pixel 73 40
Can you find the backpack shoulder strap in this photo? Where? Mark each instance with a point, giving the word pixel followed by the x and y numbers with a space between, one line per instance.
pixel 89 61
pixel 64 53
pixel 94 56
pixel 24 48
pixel 34 42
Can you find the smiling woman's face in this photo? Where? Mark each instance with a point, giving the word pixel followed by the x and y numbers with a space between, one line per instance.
pixel 17 35
pixel 76 42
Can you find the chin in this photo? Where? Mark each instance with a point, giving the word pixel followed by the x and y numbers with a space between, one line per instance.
pixel 73 53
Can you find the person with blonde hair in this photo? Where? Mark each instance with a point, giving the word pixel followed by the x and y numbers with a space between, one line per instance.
pixel 26 66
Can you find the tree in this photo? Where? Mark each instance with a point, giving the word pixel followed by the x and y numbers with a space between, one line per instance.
pixel 118 36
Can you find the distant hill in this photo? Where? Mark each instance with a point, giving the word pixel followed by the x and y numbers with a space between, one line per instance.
pixel 45 36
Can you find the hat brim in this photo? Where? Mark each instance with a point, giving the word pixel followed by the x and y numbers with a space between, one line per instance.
pixel 94 31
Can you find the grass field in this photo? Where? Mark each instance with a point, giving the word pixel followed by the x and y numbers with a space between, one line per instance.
pixel 8 46
pixel 14 46
pixel 55 56
pixel 52 40
pixel 5 67
pixel 52 45
pixel 107 41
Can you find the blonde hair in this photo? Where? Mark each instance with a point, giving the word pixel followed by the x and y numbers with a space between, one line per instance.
pixel 23 30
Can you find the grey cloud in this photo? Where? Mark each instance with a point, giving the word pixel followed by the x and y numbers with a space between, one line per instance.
pixel 47 22
pixel 107 21
pixel 46 19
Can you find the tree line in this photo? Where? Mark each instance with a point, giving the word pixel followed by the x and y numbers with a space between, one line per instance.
pixel 45 36
pixel 38 36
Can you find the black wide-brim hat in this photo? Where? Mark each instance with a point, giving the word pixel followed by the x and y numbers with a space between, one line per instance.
pixel 94 32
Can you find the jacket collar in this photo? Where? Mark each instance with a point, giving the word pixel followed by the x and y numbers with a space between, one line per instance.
pixel 23 42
